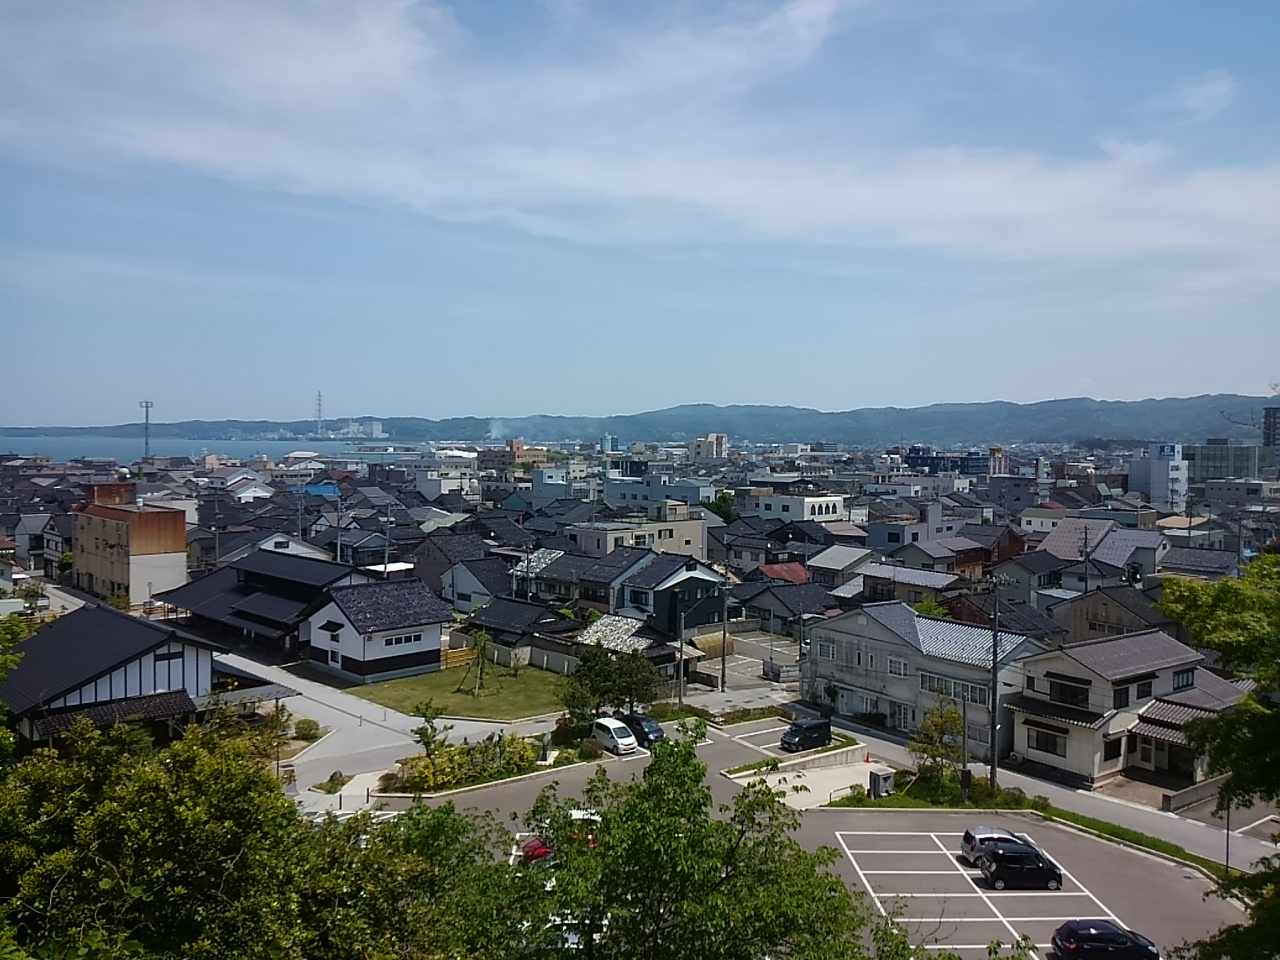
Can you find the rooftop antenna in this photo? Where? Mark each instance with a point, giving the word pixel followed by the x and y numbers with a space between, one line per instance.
pixel 146 406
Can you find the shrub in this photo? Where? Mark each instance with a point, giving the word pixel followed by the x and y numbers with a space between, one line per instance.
pixel 306 729
pixel 464 764
pixel 567 733
pixel 666 710
pixel 1041 803
pixel 590 749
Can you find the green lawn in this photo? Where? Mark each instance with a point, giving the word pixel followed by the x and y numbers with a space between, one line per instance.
pixel 504 696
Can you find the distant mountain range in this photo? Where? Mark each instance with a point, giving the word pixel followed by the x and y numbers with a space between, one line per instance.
pixel 1187 419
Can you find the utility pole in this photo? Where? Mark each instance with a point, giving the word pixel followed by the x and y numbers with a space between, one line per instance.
pixel 964 744
pixel 146 406
pixel 680 677
pixel 994 706
pixel 724 633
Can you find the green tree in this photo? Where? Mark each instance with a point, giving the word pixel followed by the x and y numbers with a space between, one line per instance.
pixel 635 680
pixel 669 876
pixel 938 744
pixel 724 506
pixel 431 736
pixel 188 850
pixel 66 561
pixel 929 607
pixel 1240 621
pixel 591 686
pixel 13 629
pixel 119 600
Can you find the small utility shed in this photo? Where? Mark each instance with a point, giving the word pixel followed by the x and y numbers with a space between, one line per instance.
pixel 378 631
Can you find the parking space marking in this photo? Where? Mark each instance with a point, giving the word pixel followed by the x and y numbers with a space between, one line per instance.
pixel 761 733
pixel 909 873
pixel 862 876
pixel 1083 889
pixel 965 873
pixel 1257 823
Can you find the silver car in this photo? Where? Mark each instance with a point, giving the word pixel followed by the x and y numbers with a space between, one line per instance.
pixel 976 838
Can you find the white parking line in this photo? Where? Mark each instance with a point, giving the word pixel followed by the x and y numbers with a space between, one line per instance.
pixel 1084 889
pixel 1257 823
pixel 909 873
pixel 965 873
pixel 761 733
pixel 862 876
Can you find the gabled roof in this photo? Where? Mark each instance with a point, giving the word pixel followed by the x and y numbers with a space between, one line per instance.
pixel 457 547
pixel 79 647
pixel 1039 562
pixel 390 605
pixel 935 579
pixel 790 572
pixel 621 634
pixel 839 557
pixel 657 570
pixel 964 642
pixel 1118 545
pixel 534 563
pixel 507 615
pixel 492 574
pixel 1074 534
pixel 1131 655
pixel 1017 617
pixel 617 562
pixel 286 566
pixel 807 599
pixel 1194 560
pixel 567 568
pixel 934 549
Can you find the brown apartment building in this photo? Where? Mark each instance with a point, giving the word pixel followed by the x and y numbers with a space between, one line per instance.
pixel 120 545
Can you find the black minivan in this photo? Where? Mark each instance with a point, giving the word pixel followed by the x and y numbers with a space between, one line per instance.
pixel 1019 865
pixel 806 734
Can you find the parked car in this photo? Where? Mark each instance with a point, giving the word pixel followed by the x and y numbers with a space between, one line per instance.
pixel 614 735
pixel 974 841
pixel 1019 865
pixel 1101 938
pixel 806 734
pixel 645 729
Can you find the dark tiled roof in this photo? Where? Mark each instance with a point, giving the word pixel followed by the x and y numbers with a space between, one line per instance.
pixel 1119 545
pixel 390 605
pixel 1054 711
pixel 1019 617
pixel 804 598
pixel 493 574
pixel 613 565
pixel 1193 560
pixel 568 567
pixel 156 706
pixel 1136 602
pixel 1210 693
pixel 1039 561
pixel 285 566
pixel 1117 658
pixel 1073 535
pixel 505 615
pixel 654 572
pixel 457 547
pixel 896 616
pixel 79 647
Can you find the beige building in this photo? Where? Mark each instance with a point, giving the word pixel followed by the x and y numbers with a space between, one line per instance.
pixel 120 545
pixel 668 529
pixel 714 446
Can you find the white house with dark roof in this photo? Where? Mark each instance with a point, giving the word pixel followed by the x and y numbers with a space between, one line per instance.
pixel 1094 709
pixel 884 658
pixel 379 631
pixel 108 667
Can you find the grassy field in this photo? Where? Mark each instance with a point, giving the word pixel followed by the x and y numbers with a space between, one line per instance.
pixel 504 696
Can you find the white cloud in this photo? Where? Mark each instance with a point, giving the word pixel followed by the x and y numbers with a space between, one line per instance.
pixel 641 133
pixel 1206 95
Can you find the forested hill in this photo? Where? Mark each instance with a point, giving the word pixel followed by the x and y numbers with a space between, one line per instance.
pixel 1188 419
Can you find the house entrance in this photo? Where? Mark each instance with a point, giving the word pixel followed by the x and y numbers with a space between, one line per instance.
pixel 899 714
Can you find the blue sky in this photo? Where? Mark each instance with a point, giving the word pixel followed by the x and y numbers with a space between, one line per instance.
pixel 588 207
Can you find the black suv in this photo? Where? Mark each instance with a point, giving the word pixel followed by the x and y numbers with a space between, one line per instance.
pixel 646 729
pixel 1101 938
pixel 1019 865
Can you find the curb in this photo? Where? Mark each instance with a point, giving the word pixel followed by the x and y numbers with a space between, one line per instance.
pixel 540 716
pixel 482 786
pixel 314 743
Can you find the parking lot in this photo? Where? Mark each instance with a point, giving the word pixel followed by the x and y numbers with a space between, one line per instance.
pixel 908 863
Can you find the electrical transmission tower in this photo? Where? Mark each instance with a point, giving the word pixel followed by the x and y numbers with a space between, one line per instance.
pixel 146 406
pixel 319 414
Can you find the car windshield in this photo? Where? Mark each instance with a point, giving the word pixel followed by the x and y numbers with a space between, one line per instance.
pixel 648 724
pixel 795 730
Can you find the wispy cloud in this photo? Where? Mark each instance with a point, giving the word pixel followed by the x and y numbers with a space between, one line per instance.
pixel 637 133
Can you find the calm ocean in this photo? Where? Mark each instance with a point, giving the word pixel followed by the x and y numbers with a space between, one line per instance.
pixel 127 450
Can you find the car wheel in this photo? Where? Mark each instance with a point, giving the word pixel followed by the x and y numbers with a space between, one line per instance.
pixel 998 884
pixel 1053 884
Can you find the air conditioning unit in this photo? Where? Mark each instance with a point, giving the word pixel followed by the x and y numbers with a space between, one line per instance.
pixel 1014 758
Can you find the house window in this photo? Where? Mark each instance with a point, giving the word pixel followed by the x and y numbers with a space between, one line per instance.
pixel 826 650
pixel 464 598
pixel 1120 698
pixel 897 667
pixel 280 545
pixel 768 507
pixel 893 537
pixel 915 537
pixel 914 596
pixel 1111 748
pixel 1069 694
pixel 1183 679
pixel 978 733
pixel 1144 690
pixel 871 661
pixel 786 508
pixel 1045 742
pixel 1031 683
pixel 857 658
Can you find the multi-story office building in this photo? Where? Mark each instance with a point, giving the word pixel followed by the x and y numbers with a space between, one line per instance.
pixel 1160 472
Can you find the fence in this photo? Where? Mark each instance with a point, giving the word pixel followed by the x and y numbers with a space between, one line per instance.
pixel 735 626
pixel 457 658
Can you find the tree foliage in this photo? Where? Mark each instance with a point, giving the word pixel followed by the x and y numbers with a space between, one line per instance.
pixel 607 679
pixel 929 607
pixel 1240 621
pixel 724 506
pixel 938 743
pixel 670 876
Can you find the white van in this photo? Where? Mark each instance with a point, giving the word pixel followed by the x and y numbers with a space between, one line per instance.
pixel 614 735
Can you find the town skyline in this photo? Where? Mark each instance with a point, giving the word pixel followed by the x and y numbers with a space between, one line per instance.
pixel 582 208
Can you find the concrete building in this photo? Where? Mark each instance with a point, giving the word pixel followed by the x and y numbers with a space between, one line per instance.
pixel 655 488
pixel 670 530
pixel 446 471
pixel 714 446
pixel 1242 493
pixel 1159 471
pixel 1221 459
pixel 121 546
pixel 791 506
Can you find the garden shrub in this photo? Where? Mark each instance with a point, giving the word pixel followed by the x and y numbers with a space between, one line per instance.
pixel 464 764
pixel 306 729
pixel 590 749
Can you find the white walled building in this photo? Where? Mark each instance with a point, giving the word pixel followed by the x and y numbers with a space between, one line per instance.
pixel 1160 472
